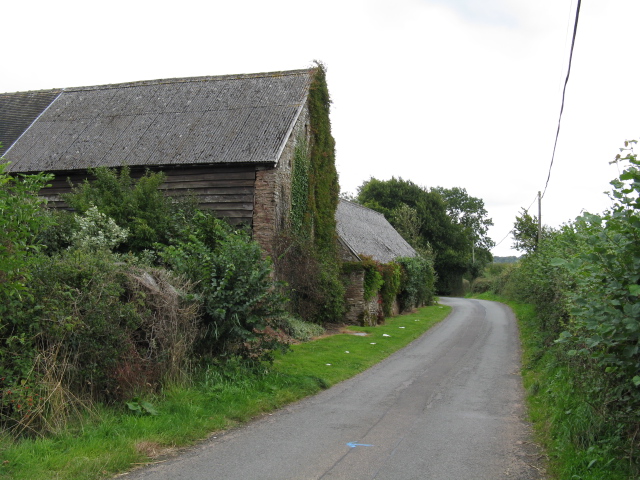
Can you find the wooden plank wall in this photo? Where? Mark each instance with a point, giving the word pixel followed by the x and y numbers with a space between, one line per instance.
pixel 228 191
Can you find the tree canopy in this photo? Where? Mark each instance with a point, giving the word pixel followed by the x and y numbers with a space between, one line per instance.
pixel 469 212
pixel 421 215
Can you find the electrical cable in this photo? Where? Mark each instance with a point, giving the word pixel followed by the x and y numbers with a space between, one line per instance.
pixel 505 237
pixel 564 91
pixel 511 231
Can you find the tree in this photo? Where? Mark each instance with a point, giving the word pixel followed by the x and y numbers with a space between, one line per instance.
pixel 525 232
pixel 436 229
pixel 469 212
pixel 408 224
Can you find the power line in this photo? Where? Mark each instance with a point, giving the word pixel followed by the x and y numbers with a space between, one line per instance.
pixel 511 231
pixel 564 90
pixel 505 237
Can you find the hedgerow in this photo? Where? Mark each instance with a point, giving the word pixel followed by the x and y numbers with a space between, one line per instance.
pixel 584 281
pixel 82 323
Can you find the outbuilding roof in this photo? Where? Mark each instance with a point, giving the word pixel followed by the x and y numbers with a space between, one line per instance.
pixel 19 110
pixel 231 119
pixel 367 232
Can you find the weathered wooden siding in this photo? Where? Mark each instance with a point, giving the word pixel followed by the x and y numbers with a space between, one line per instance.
pixel 228 191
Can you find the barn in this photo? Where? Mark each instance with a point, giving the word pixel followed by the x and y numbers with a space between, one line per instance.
pixel 229 140
pixel 362 231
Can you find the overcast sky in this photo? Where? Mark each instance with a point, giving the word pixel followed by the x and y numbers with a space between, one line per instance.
pixel 452 93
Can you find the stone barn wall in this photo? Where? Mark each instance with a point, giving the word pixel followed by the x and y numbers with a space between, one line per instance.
pixel 272 193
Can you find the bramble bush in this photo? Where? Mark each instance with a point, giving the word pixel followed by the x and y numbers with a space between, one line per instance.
pixel 94 329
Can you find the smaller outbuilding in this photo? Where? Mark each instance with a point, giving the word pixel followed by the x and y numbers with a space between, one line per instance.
pixel 363 232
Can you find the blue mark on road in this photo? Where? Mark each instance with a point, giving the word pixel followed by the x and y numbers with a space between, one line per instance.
pixel 354 445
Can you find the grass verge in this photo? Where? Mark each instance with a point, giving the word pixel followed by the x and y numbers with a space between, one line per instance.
pixel 113 440
pixel 569 422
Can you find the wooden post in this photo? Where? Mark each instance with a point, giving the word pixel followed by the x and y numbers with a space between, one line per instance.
pixel 539 217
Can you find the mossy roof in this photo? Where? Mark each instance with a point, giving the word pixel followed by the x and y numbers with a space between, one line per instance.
pixel 231 119
pixel 367 232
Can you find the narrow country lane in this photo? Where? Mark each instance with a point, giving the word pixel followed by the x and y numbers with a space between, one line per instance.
pixel 449 406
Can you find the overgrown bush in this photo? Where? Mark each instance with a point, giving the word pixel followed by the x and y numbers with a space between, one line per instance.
pixel 21 221
pixel 584 282
pixel 605 298
pixel 372 277
pixel 139 206
pixel 417 285
pixel 240 300
pixel 307 257
pixel 312 280
pixel 96 329
pixel 391 277
pixel 481 285
pixel 58 230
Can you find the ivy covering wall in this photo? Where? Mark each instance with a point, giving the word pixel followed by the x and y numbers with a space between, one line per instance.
pixel 323 177
pixel 308 257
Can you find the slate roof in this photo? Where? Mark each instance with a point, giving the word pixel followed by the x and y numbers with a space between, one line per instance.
pixel 231 119
pixel 367 232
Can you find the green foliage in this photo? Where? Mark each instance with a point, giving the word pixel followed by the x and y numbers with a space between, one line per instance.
pixel 469 212
pixel 605 301
pixel 583 280
pixel 417 286
pixel 95 231
pixel 307 255
pixel 372 278
pixel 385 280
pixel 20 223
pixel 93 329
pixel 299 217
pixel 392 281
pixel 299 329
pixel 323 178
pixel 312 280
pixel 234 282
pixel 406 221
pixel 538 281
pixel 141 407
pixel 138 206
pixel 525 232
pixel 437 230
pixel 59 228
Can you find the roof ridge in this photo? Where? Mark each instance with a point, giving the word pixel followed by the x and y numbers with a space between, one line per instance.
pixel 41 91
pixel 204 78
pixel 361 206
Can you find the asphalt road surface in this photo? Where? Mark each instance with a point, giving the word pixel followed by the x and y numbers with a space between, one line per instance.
pixel 449 406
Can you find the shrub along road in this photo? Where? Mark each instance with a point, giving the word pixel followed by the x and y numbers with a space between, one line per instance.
pixel 448 406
